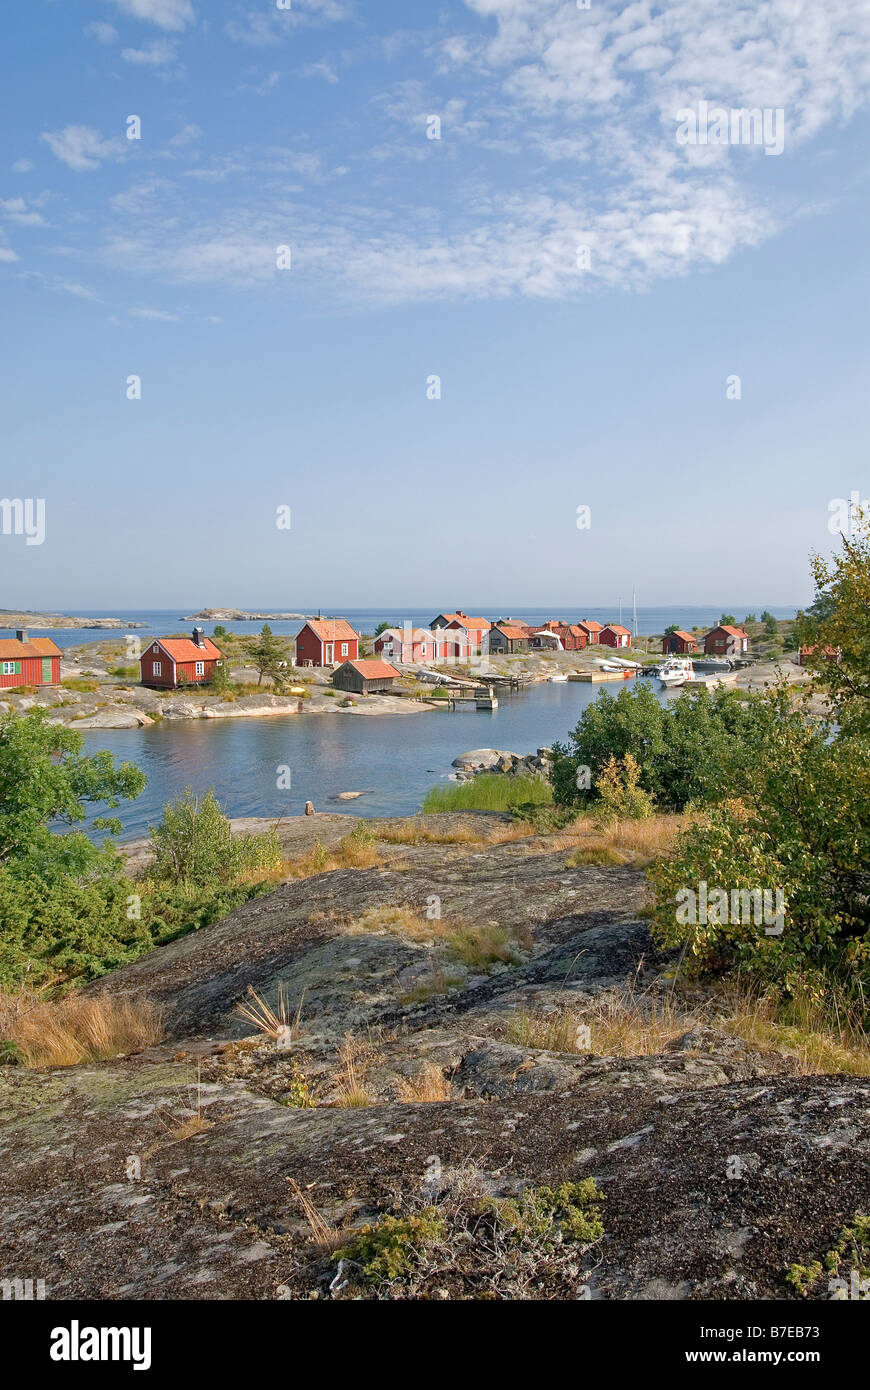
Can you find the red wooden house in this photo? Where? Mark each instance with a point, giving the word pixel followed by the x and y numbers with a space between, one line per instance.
pixel 726 641
pixel 828 653
pixel 406 644
pixel 573 636
pixel 477 628
pixel 614 635
pixel 28 662
pixel 592 630
pixel 326 642
pixel 173 661
pixel 679 642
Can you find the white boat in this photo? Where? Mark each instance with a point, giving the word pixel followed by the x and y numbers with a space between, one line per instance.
pixel 560 677
pixel 676 671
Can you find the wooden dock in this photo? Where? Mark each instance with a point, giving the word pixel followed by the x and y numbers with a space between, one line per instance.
pixel 599 675
pixel 482 697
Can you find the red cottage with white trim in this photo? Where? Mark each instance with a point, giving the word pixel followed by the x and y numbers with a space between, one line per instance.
pixel 173 661
pixel 26 661
pixel 614 635
pixel 326 642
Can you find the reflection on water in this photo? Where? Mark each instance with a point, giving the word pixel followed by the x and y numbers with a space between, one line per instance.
pixel 394 759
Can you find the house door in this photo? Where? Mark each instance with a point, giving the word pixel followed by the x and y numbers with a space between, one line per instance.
pixel 327 648
pixel 46 670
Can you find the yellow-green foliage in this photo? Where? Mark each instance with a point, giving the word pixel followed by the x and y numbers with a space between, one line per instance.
pixel 298 1093
pixel 545 1216
pixel 852 1249
pixel 389 1248
pixel 620 795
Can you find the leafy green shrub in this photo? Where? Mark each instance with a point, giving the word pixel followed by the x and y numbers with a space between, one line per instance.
pixel 687 751
pixel 194 843
pixel 798 823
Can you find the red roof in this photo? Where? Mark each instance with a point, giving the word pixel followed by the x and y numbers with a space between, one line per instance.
pixel 732 631
pixel 37 646
pixel 681 633
pixel 185 649
pixel 373 670
pixel 332 629
pixel 590 625
pixel 617 627
pixel 515 634
pixel 473 624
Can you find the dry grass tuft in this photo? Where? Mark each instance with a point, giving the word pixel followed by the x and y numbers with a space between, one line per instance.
pixel 401 921
pixel 357 850
pixel 428 1085
pixel 477 945
pixel 324 1236
pixel 357 1056
pixel 637 842
pixel 78 1028
pixel 279 1026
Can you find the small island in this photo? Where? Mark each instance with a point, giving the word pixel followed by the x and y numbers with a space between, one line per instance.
pixel 238 615
pixel 8 619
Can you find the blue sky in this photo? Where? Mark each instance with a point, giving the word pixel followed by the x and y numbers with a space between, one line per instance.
pixel 266 387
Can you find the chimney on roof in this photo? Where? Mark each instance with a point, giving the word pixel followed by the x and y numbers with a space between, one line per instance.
pixel 198 637
pixel 21 634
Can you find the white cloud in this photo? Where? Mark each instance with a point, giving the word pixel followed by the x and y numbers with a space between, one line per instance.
pixel 320 69
pixel 155 55
pixel 22 166
pixel 7 255
pixel 55 284
pixel 102 32
pixel 157 315
pixel 262 27
pixel 186 136
pixel 171 15
pixel 80 147
pixel 16 210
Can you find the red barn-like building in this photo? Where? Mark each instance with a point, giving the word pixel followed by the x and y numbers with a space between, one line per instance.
pixel 614 635
pixel 682 642
pixel 326 642
pixel 172 661
pixel 725 640
pixel 28 662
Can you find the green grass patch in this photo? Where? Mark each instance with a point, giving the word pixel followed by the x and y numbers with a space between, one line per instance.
pixel 490 791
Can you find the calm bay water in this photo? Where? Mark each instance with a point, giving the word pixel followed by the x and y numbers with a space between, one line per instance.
pixel 394 759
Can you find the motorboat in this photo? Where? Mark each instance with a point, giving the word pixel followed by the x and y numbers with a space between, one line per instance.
pixel 676 671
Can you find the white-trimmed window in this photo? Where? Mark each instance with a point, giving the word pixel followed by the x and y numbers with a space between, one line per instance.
pixel 200 668
pixel 344 649
pixel 157 668
pixel 9 668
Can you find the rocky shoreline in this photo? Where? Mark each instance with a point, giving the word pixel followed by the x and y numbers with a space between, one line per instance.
pixel 11 620
pixel 509 1071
